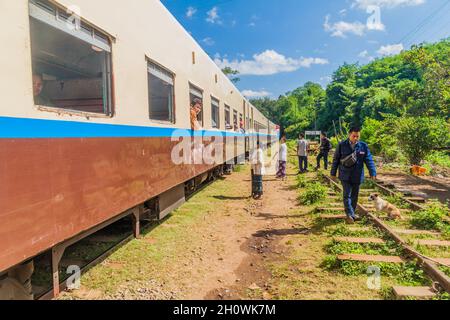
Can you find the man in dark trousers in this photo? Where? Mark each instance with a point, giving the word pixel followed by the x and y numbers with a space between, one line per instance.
pixel 350 157
pixel 325 147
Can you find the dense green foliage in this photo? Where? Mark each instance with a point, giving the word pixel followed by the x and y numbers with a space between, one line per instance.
pixel 403 98
pixel 432 218
pixel 417 136
pixel 314 193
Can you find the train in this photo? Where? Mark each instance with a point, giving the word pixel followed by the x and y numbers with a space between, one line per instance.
pixel 97 96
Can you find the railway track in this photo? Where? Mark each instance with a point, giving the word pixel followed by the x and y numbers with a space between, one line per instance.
pixel 94 249
pixel 422 247
pixel 378 232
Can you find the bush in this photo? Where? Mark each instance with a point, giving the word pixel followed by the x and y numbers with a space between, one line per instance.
pixel 439 158
pixel 418 136
pixel 334 142
pixel 381 138
pixel 302 182
pixel 314 193
pixel 431 218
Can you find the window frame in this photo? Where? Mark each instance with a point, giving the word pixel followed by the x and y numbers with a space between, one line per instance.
pixel 218 112
pixel 227 111
pixel 50 13
pixel 174 108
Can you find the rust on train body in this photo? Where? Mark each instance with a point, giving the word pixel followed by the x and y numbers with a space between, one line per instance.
pixel 87 120
pixel 53 189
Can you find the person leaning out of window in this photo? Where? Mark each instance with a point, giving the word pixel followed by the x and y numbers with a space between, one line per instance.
pixel 196 108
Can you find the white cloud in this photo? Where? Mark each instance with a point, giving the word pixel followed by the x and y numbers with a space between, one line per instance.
pixel 190 12
pixel 365 55
pixel 343 12
pixel 269 62
pixel 342 28
pixel 390 50
pixel 364 4
pixel 213 16
pixel 255 94
pixel 325 80
pixel 208 41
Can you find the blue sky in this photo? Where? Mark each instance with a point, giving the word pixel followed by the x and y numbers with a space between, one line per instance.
pixel 278 45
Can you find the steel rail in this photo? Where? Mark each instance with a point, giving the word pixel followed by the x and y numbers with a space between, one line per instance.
pixel 426 263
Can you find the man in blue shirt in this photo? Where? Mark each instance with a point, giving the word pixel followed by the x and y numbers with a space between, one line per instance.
pixel 350 157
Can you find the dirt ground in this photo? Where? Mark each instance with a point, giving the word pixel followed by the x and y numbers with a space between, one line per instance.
pixel 429 187
pixel 223 245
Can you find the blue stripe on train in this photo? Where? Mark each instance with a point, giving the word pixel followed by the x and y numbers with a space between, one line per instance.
pixel 22 128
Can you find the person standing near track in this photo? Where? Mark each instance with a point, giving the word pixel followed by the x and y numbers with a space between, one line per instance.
pixel 349 158
pixel 325 147
pixel 283 154
pixel 258 171
pixel 302 153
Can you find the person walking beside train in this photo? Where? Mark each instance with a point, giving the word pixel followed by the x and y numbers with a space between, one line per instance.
pixel 302 153
pixel 282 160
pixel 325 147
pixel 349 158
pixel 258 171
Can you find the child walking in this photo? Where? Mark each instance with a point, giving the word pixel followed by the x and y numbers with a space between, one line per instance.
pixel 281 174
pixel 258 171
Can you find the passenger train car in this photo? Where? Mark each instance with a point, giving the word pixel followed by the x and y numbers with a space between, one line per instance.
pixel 93 94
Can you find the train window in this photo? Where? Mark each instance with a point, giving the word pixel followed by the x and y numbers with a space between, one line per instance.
pixel 228 118
pixel 161 93
pixel 215 113
pixel 235 120
pixel 71 62
pixel 195 94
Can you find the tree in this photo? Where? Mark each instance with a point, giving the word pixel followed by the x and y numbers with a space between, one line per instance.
pixel 418 136
pixel 433 63
pixel 231 74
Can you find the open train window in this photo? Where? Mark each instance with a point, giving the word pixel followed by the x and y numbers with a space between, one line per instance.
pixel 228 118
pixel 71 61
pixel 196 94
pixel 215 113
pixel 161 93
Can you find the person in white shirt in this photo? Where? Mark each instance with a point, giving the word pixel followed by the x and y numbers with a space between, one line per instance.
pixel 258 171
pixel 281 174
pixel 302 152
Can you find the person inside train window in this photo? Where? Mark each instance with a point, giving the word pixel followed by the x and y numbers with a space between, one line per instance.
pixel 242 129
pixel 196 98
pixel 77 68
pixel 39 97
pixel 196 108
